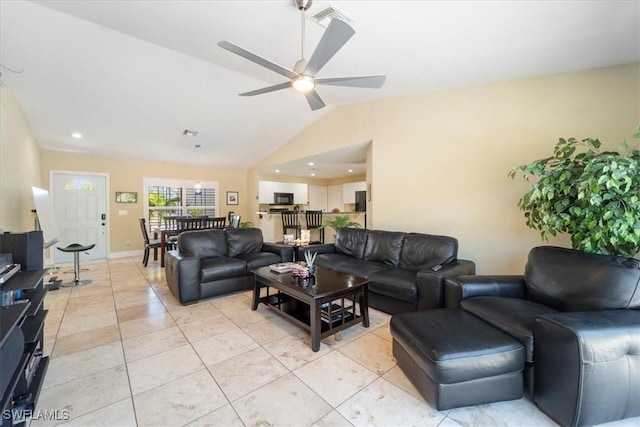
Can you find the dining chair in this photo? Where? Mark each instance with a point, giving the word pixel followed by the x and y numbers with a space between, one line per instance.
pixel 171 223
pixel 291 221
pixel 218 222
pixel 148 243
pixel 314 222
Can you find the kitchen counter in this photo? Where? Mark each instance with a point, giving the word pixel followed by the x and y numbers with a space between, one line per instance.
pixel 271 224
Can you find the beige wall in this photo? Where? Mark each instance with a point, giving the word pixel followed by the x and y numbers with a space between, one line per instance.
pixel 439 161
pixel 127 175
pixel 19 166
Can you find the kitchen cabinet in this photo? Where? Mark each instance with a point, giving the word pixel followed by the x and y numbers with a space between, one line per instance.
pixel 349 191
pixel 267 188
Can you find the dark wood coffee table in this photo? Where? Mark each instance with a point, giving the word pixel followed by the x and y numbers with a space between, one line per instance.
pixel 324 308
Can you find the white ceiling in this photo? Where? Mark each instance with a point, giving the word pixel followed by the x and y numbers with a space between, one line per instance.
pixel 132 75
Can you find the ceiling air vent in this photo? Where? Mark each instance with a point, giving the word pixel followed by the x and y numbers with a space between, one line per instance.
pixel 325 16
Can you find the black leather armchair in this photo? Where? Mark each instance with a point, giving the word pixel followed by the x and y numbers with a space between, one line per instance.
pixel 577 316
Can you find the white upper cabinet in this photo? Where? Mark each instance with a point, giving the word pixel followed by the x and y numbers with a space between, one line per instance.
pixel 349 191
pixel 300 194
pixel 267 188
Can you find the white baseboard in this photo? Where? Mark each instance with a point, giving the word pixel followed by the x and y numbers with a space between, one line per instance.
pixel 48 262
pixel 126 254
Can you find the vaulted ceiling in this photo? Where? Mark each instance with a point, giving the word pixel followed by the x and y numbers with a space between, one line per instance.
pixel 131 76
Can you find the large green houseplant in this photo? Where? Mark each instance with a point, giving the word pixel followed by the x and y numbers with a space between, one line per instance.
pixel 341 221
pixel 592 195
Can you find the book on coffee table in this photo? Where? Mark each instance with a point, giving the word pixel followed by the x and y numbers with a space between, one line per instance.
pixel 283 267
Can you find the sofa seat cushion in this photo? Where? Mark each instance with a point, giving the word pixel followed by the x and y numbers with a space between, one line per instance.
pixel 221 268
pixel 396 283
pixel 259 259
pixel 349 265
pixel 513 316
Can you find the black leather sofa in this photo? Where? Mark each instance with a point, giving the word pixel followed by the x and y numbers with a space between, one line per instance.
pixel 575 315
pixel 216 262
pixel 406 270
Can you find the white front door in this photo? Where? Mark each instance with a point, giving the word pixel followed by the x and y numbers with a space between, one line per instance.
pixel 80 210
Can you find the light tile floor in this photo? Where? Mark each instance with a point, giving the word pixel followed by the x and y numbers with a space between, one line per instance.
pixel 124 352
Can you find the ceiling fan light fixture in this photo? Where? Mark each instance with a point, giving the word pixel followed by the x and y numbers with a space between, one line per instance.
pixel 303 84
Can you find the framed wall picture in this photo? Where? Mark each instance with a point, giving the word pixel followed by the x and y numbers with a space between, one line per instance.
pixel 232 197
pixel 126 197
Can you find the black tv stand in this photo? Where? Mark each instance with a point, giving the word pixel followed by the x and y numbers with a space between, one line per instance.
pixel 22 317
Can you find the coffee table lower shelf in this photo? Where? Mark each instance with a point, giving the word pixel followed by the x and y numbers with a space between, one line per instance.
pixel 331 322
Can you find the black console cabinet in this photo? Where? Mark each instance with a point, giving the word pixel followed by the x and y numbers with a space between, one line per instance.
pixel 21 341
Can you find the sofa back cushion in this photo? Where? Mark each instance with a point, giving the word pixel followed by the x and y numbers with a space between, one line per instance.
pixel 423 251
pixel 384 247
pixel 241 241
pixel 351 242
pixel 570 280
pixel 203 243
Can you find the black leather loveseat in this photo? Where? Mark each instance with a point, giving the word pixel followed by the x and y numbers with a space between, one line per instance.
pixel 569 327
pixel 215 262
pixel 406 270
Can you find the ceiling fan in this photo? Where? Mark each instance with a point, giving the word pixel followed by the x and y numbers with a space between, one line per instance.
pixel 303 76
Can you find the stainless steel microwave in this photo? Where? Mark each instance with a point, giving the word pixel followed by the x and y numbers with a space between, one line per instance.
pixel 282 198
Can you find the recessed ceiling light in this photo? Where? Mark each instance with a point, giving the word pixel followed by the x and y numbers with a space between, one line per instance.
pixel 310 163
pixel 277 170
pixel 350 170
pixel 76 135
pixel 313 174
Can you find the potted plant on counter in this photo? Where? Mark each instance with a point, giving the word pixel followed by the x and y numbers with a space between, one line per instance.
pixel 592 195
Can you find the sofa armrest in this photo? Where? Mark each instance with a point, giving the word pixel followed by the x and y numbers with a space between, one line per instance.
pixel 430 282
pixel 587 366
pixel 183 276
pixel 323 248
pixel 285 251
pixel 458 288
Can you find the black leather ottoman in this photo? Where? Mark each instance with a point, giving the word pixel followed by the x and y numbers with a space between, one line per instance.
pixel 455 359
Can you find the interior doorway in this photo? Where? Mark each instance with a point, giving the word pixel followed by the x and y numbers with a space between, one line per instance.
pixel 80 211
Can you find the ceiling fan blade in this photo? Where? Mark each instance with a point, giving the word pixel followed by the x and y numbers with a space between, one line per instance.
pixel 337 34
pixel 267 89
pixel 373 82
pixel 257 59
pixel 314 100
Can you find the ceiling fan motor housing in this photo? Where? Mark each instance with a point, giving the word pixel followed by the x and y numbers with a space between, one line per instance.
pixel 303 4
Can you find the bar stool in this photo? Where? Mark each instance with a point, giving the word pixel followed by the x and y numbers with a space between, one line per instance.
pixel 314 222
pixel 291 221
pixel 76 248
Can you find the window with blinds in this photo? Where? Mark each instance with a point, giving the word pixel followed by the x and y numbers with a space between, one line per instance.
pixel 164 197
